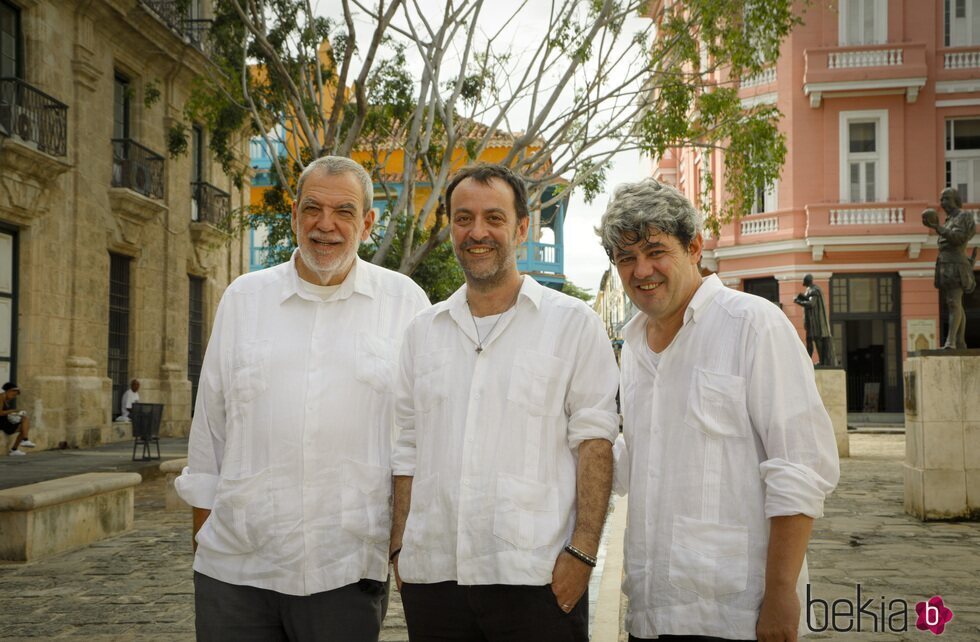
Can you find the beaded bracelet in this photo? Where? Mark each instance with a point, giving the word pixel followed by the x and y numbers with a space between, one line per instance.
pixel 581 556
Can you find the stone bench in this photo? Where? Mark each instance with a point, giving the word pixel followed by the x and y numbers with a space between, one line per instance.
pixel 172 469
pixel 52 516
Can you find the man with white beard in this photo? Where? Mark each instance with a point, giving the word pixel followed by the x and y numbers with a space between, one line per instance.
pixel 288 465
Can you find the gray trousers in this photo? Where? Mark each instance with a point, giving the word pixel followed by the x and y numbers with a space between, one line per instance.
pixel 229 612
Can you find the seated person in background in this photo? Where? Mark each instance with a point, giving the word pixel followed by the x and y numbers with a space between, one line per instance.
pixel 14 421
pixel 129 397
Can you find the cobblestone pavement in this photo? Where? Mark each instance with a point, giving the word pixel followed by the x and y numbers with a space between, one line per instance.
pixel 866 538
pixel 138 585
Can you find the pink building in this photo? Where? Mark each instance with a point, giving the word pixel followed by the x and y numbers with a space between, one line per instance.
pixel 881 105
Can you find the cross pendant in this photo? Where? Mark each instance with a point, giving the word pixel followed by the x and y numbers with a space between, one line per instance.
pixel 479 349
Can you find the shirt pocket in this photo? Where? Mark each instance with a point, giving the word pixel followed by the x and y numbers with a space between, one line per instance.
pixel 537 383
pixel 241 517
pixel 707 558
pixel 525 512
pixel 365 501
pixel 432 382
pixel 428 515
pixel 716 405
pixel 249 368
pixel 374 363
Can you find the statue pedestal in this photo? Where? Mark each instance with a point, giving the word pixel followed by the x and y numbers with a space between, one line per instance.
pixel 832 386
pixel 942 434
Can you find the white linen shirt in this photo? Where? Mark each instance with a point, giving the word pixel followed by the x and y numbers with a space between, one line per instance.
pixel 291 437
pixel 491 439
pixel 128 399
pixel 724 431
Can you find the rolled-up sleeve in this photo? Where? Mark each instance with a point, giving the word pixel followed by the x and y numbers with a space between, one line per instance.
pixel 403 452
pixel 198 482
pixel 591 399
pixel 801 466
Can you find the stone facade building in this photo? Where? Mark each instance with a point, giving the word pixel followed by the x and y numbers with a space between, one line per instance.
pixel 112 251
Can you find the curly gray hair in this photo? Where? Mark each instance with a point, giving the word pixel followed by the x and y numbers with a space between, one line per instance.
pixel 638 208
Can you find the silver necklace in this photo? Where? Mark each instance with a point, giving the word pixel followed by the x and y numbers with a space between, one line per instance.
pixel 476 328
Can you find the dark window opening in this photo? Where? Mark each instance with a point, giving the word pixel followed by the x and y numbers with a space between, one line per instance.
pixel 195 335
pixel 766 287
pixel 10 42
pixel 119 310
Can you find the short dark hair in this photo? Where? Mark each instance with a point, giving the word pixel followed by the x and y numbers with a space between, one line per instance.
pixel 10 385
pixel 483 173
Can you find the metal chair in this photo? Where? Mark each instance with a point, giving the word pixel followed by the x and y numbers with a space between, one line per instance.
pixel 146 427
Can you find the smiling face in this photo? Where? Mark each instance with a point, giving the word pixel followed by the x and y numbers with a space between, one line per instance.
pixel 329 222
pixel 486 231
pixel 659 274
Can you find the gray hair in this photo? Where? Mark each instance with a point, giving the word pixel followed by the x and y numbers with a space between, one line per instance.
pixel 636 209
pixel 334 165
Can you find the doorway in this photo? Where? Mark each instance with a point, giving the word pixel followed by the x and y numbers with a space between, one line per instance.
pixel 865 318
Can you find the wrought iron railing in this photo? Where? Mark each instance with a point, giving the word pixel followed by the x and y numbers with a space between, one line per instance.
pixel 33 116
pixel 137 168
pixel 210 205
pixel 175 13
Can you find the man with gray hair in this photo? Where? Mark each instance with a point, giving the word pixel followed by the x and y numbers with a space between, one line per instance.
pixel 728 452
pixel 288 462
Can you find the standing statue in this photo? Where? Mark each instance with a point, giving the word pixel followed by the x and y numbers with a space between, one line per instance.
pixel 954 269
pixel 815 322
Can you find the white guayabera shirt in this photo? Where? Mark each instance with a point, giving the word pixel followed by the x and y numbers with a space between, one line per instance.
pixel 291 438
pixel 491 439
pixel 724 429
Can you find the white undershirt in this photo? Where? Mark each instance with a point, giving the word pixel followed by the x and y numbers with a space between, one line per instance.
pixel 322 292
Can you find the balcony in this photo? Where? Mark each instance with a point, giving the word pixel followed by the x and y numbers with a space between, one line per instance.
pixel 540 258
pixel 137 168
pixel 33 116
pixel 210 205
pixel 866 226
pixel 956 69
pixel 868 69
pixel 175 14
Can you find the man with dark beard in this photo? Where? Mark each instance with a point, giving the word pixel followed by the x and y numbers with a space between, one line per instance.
pixel 288 462
pixel 503 465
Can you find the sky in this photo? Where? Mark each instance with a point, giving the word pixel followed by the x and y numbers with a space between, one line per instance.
pixel 585 261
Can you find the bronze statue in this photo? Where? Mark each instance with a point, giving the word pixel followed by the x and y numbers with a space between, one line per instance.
pixel 815 322
pixel 954 269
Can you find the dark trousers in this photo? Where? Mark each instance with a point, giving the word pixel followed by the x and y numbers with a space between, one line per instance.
pixel 493 613
pixel 685 638
pixel 233 613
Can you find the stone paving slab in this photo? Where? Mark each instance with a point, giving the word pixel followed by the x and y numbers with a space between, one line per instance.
pixel 139 585
pixel 43 465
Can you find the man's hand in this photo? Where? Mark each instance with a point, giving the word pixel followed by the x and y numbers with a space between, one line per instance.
pixel 200 516
pixel 398 578
pixel 569 580
pixel 779 618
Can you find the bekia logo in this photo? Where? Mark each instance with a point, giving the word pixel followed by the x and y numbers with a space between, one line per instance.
pixel 877 615
pixel 933 615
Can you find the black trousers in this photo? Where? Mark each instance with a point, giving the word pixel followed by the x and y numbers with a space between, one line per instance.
pixel 233 613
pixel 492 613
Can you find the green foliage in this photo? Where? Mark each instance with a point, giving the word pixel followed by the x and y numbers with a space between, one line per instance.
pixel 339 97
pixel 177 139
pixel 439 273
pixel 571 289
pixel 151 93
